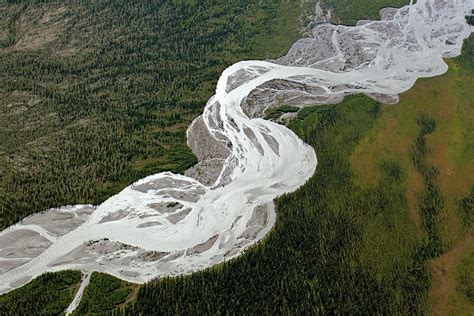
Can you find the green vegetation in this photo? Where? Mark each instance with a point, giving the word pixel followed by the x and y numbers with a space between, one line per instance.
pixel 356 238
pixel 431 201
pixel 274 114
pixel 466 60
pixel 465 277
pixel 350 11
pixel 391 191
pixel 444 106
pixel 337 248
pixel 467 209
pixel 49 294
pixel 470 19
pixel 97 94
pixel 103 293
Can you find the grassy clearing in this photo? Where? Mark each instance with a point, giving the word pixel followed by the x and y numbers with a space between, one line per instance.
pixel 465 277
pixel 451 280
pixel 446 99
pixel 445 170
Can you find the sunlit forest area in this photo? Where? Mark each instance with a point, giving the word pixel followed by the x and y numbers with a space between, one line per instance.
pixel 97 94
pixel 385 225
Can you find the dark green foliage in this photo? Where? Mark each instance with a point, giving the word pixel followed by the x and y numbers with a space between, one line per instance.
pixel 467 57
pixel 103 293
pixel 319 257
pixel 419 150
pixel 431 201
pixel 49 294
pixel 467 208
pixel 109 100
pixel 274 114
pixel 350 11
pixel 470 19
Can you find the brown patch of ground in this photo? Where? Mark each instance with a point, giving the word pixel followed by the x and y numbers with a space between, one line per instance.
pixel 443 283
pixel 33 27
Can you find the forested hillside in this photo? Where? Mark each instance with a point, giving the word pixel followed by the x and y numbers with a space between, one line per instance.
pixel 97 94
pixel 49 294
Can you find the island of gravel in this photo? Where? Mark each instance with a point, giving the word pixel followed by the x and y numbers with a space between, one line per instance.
pixel 169 224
